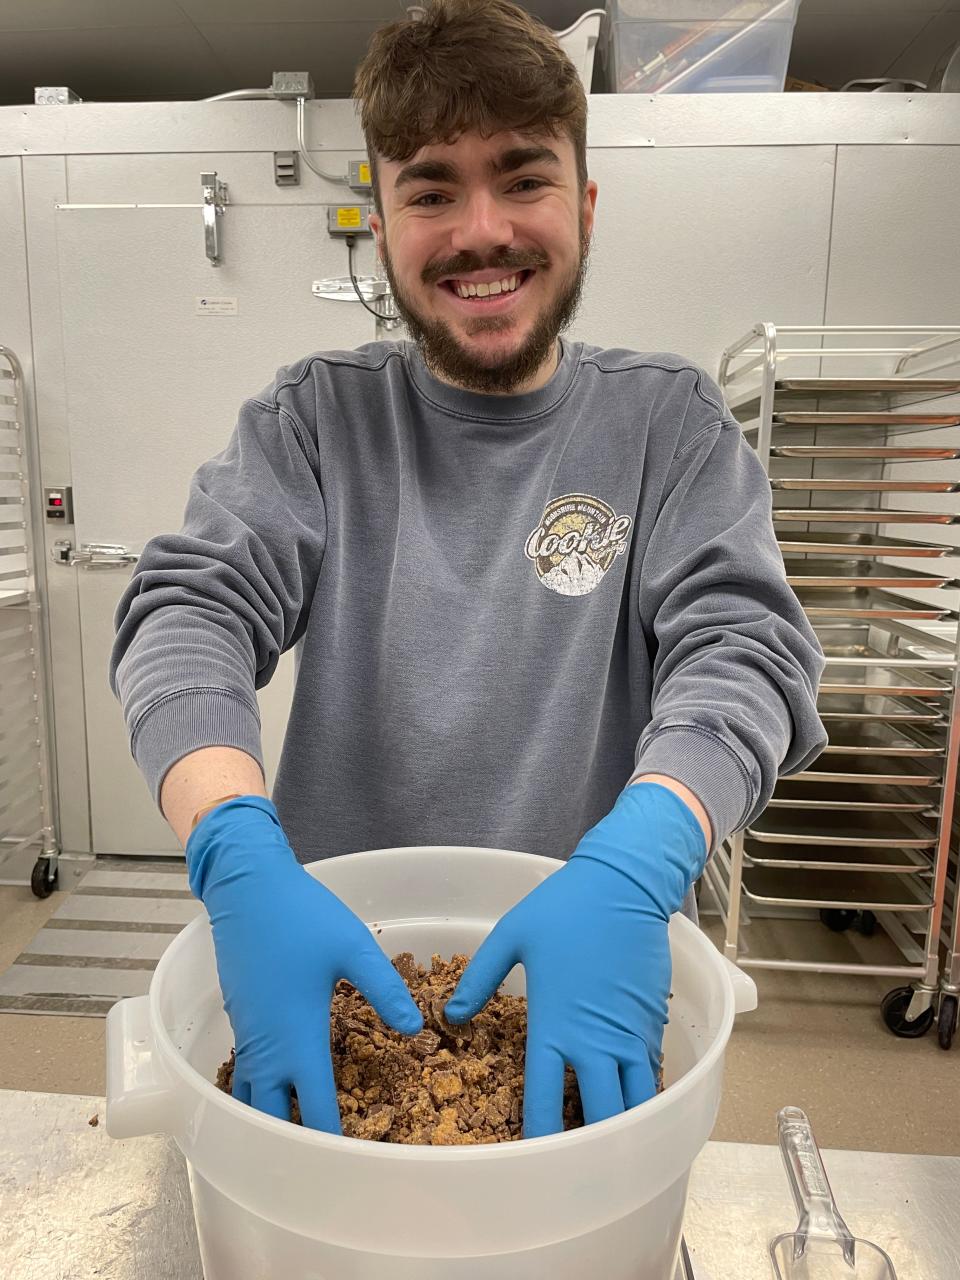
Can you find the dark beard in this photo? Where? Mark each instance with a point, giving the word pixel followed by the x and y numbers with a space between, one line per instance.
pixel 443 354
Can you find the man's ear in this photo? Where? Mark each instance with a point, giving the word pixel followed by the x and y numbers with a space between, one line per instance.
pixel 376 226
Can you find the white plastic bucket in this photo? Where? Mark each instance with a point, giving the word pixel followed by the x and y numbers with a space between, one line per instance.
pixel 274 1201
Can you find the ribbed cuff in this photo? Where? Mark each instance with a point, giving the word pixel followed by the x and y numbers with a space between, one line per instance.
pixel 712 771
pixel 188 721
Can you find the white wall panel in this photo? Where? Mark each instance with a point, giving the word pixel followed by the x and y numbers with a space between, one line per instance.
pixel 896 260
pixel 694 245
pixel 15 316
pixel 896 236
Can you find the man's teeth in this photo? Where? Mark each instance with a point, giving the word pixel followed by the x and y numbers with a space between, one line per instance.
pixel 465 289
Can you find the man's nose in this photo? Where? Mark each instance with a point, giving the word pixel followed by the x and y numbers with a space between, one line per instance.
pixel 482 225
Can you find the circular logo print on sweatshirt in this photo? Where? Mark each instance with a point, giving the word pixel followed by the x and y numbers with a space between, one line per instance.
pixel 575 543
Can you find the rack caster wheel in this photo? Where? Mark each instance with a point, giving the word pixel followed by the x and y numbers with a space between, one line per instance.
pixel 866 924
pixel 837 919
pixel 894 1012
pixel 947 1021
pixel 40 880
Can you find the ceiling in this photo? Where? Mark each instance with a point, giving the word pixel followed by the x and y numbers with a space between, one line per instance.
pixel 156 50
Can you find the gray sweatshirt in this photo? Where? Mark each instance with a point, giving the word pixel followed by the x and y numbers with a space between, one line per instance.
pixel 502 607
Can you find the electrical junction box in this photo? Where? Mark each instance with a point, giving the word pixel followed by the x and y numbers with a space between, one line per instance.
pixel 47 95
pixel 292 84
pixel 358 176
pixel 348 220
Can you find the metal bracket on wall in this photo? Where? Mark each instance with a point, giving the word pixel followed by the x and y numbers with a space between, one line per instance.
pixel 371 288
pixel 215 198
pixel 340 288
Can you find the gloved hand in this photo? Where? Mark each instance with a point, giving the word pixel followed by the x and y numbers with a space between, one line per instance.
pixel 282 941
pixel 592 939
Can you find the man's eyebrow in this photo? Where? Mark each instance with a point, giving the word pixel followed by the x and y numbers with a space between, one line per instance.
pixel 426 171
pixel 520 156
pixel 443 171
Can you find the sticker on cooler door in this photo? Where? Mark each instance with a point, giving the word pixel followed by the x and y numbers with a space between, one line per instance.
pixel 216 306
pixel 576 542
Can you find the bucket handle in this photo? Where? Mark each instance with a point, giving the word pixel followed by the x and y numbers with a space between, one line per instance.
pixel 744 988
pixel 139 1096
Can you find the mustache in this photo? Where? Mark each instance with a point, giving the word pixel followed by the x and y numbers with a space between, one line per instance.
pixel 465 265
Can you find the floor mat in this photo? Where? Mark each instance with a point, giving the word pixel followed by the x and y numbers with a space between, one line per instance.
pixel 104 942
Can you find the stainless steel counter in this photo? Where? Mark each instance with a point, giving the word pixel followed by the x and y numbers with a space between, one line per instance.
pixel 75 1204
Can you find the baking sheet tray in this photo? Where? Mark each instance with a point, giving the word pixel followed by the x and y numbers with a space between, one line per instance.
pixel 871 573
pixel 851 679
pixel 865 602
pixel 883 739
pixel 864 634
pixel 835 796
pixel 869 772
pixel 866 393
pixel 856 707
pixel 865 515
pixel 913 386
pixel 859 542
pixel 888 770
pixel 865 453
pixel 831 484
pixel 825 418
pixel 836 828
pixel 823 858
pixel 857 890
pixel 891 424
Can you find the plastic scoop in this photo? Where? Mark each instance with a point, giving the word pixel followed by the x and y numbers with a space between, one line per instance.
pixel 822 1247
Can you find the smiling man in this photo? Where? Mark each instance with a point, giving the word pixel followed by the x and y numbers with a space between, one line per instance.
pixel 534 590
pixel 502 227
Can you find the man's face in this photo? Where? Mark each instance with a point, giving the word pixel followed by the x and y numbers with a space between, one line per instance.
pixel 484 211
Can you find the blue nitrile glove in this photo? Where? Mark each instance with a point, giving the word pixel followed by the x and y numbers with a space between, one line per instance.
pixel 282 941
pixel 592 939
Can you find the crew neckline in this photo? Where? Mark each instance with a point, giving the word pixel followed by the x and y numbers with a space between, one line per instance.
pixel 493 408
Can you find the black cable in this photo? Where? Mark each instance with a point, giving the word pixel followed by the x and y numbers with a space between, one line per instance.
pixel 353 280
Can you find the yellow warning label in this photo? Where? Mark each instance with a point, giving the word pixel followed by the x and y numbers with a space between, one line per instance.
pixel 365 173
pixel 349 217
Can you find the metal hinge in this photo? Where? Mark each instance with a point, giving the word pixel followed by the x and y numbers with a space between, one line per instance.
pixel 92 555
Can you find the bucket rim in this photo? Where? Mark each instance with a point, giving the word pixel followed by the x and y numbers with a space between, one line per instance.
pixel 568 1141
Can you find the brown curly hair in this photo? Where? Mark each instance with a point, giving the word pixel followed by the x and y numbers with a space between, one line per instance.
pixel 467 66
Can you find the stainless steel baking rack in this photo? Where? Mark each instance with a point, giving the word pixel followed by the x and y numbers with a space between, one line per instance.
pixel 27 795
pixel 862 837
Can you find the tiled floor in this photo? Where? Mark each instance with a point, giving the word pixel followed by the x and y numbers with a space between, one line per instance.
pixel 48 1054
pixel 815 1042
pixel 103 942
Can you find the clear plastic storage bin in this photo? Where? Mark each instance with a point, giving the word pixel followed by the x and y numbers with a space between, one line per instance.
pixel 698 46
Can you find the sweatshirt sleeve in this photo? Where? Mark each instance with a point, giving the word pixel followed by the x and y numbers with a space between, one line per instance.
pixel 736 663
pixel 209 610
